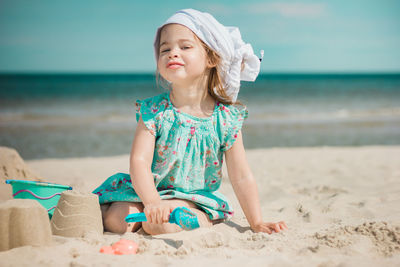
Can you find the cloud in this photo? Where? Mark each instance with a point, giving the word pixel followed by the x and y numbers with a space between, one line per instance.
pixel 289 10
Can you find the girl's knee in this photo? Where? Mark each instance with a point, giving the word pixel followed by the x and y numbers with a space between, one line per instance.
pixel 114 218
pixel 114 224
pixel 104 208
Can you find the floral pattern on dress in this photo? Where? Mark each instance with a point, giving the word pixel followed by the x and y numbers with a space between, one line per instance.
pixel 188 156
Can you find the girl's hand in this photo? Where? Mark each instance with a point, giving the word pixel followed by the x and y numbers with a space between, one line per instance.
pixel 269 227
pixel 159 212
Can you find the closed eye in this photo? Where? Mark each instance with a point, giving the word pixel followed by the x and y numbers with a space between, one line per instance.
pixel 164 50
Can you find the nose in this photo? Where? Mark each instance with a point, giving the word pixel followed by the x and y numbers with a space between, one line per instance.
pixel 173 53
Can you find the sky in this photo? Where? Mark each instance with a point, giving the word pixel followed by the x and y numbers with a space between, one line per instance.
pixel 336 36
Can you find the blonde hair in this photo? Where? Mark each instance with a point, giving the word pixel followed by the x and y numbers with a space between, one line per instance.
pixel 214 79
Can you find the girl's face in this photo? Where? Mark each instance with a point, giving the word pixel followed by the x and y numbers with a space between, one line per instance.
pixel 182 57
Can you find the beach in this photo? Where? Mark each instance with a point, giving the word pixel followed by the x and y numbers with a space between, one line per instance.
pixel 317 87
pixel 94 115
pixel 324 149
pixel 341 205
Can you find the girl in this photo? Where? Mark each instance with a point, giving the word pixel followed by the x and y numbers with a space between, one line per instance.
pixel 181 136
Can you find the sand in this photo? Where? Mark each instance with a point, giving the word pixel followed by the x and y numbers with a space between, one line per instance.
pixel 77 214
pixel 341 205
pixel 12 166
pixel 23 222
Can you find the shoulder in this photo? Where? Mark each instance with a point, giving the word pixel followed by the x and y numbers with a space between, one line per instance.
pixel 232 112
pixel 230 122
pixel 153 104
pixel 151 111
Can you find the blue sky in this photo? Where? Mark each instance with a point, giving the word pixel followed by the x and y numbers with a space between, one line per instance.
pixel 117 36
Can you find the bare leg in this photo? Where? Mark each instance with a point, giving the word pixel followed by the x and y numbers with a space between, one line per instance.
pixel 104 208
pixel 165 228
pixel 114 217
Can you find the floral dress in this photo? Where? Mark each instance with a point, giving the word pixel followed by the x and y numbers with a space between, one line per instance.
pixel 188 155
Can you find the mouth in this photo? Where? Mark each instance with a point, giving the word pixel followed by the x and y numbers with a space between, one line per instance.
pixel 174 65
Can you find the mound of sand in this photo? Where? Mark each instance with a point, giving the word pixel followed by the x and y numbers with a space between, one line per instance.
pixel 12 166
pixel 77 214
pixel 384 236
pixel 23 222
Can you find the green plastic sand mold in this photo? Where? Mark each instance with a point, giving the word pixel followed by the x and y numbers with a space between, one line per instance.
pixel 47 194
pixel 181 216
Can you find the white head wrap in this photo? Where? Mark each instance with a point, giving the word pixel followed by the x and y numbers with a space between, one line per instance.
pixel 225 41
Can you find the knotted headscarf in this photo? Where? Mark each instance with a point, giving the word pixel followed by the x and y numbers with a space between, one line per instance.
pixel 225 41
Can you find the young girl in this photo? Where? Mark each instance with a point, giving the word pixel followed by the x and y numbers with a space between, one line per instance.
pixel 181 136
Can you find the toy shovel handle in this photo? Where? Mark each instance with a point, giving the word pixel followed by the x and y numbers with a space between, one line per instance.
pixel 181 216
pixel 136 217
pixel 139 217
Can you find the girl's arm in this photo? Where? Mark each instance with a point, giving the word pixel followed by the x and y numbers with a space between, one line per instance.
pixel 142 179
pixel 245 188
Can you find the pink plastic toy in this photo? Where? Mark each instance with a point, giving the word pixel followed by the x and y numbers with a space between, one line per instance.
pixel 107 250
pixel 122 247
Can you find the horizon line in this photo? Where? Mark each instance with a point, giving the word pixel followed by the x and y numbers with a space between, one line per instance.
pixel 153 73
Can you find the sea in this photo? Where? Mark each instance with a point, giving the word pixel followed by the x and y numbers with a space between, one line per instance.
pixel 93 115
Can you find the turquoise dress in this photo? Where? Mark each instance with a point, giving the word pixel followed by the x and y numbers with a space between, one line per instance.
pixel 188 155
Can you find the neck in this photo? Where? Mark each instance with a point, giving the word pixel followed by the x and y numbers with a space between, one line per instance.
pixel 193 97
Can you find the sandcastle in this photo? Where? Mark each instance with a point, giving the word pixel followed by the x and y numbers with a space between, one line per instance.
pixel 12 166
pixel 77 214
pixel 23 222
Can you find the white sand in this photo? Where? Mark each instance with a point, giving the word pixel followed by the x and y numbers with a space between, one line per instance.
pixel 12 166
pixel 342 206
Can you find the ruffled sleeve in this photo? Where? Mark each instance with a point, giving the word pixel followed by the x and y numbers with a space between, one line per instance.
pixel 231 122
pixel 151 111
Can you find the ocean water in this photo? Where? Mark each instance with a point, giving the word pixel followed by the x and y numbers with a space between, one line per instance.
pixel 77 115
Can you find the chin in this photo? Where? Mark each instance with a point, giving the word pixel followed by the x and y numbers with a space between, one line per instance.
pixel 176 78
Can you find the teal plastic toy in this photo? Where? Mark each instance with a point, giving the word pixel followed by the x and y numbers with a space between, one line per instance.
pixel 47 194
pixel 181 216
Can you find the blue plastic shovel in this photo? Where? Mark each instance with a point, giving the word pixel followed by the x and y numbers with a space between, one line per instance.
pixel 181 216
